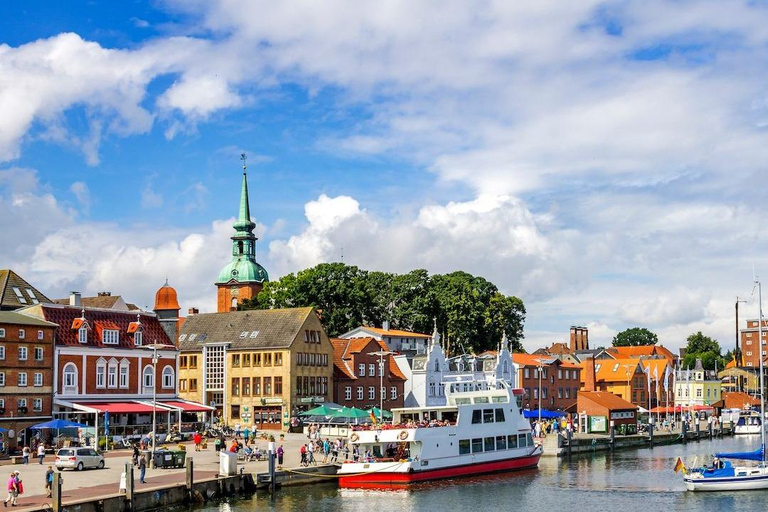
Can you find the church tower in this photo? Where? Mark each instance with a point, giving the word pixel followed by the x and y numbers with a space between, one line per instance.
pixel 242 278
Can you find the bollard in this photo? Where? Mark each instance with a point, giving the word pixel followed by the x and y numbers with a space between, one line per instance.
pixel 613 435
pixel 190 474
pixel 57 483
pixel 129 487
pixel 570 437
pixel 709 426
pixel 272 476
pixel 698 431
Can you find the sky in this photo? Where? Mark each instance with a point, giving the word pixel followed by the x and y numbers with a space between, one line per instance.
pixel 605 161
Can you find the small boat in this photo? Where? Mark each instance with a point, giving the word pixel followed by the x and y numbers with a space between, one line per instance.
pixel 723 475
pixel 480 430
pixel 748 423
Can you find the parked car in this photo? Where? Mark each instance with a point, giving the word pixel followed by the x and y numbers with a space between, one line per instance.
pixel 78 458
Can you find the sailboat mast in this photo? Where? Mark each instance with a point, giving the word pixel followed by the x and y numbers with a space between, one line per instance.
pixel 762 387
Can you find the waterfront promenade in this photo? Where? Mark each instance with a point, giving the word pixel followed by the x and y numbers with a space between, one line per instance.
pixel 88 484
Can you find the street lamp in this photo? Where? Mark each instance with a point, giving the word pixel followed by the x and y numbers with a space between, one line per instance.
pixel 154 347
pixel 381 354
pixel 539 365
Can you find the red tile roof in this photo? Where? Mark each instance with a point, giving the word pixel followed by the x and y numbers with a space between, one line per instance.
pixel 607 400
pixel 532 359
pixel 739 400
pixel 397 332
pixel 68 317
pixel 344 348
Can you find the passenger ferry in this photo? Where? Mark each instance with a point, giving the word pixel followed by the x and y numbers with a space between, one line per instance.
pixel 480 430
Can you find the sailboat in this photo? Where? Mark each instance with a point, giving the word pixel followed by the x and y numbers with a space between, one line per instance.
pixel 723 475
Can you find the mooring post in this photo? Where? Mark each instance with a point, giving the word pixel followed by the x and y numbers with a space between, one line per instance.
pixel 650 431
pixel 733 432
pixel 613 434
pixel 56 502
pixel 272 467
pixel 698 430
pixel 129 487
pixel 190 474
pixel 685 431
pixel 570 440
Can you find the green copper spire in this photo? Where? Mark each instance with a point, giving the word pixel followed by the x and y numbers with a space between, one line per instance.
pixel 243 267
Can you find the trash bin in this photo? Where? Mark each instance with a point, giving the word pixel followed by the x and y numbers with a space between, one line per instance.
pixel 227 464
pixel 179 458
pixel 164 459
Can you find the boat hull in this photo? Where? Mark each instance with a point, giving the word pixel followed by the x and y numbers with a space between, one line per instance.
pixel 745 483
pixel 391 478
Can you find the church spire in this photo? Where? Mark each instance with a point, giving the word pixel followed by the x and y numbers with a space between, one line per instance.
pixel 244 225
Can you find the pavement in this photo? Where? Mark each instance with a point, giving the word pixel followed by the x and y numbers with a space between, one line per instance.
pixel 82 485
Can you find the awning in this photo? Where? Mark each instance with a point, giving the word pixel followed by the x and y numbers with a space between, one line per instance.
pixel 186 406
pixel 123 407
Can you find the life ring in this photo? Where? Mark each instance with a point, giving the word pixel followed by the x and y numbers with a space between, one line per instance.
pixel 403 435
pixel 354 437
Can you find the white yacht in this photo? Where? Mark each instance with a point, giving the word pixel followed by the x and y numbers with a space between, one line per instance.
pixel 748 423
pixel 480 430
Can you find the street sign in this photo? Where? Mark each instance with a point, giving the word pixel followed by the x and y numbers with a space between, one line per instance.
pixel 312 400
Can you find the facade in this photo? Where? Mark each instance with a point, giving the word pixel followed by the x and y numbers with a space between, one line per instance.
pixel 396 340
pixel 751 348
pixel 256 367
pixel 598 409
pixel 559 384
pixel 359 380
pixel 696 386
pixel 17 293
pixel 243 278
pixel 26 373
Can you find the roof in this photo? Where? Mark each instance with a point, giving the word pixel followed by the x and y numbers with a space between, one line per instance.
pixel 656 365
pixel 252 329
pixel 739 400
pixel 532 359
pixel 17 293
pixel 166 298
pixel 12 317
pixel 607 400
pixel 343 350
pixel 100 301
pixel 644 350
pixel 559 348
pixel 69 319
pixel 396 332
pixel 612 370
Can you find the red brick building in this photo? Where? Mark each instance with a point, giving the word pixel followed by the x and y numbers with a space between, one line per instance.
pixel 26 372
pixel 751 349
pixel 560 381
pixel 357 381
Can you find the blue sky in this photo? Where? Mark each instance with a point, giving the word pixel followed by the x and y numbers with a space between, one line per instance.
pixel 602 160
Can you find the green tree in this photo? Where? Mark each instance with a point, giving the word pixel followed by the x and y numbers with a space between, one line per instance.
pixel 635 337
pixel 705 348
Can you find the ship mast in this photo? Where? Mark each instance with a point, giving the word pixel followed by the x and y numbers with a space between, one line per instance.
pixel 762 387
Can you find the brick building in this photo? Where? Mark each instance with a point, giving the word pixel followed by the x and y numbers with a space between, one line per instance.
pixel 26 373
pixel 357 375
pixel 751 349
pixel 560 380
pixel 597 409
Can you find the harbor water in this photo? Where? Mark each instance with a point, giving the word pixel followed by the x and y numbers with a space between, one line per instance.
pixel 623 481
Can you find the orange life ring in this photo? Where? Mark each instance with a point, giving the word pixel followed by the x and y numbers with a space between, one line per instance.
pixel 354 437
pixel 403 435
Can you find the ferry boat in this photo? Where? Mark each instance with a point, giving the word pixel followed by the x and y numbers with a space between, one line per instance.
pixel 480 430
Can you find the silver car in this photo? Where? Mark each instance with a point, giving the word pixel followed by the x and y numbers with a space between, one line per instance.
pixel 78 458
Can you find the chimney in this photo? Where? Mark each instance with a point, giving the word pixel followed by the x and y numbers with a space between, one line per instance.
pixel 105 294
pixel 74 299
pixel 590 379
pixel 385 325
pixel 572 345
pixel 193 311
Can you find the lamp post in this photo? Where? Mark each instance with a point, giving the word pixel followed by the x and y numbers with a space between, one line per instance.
pixel 154 347
pixel 381 354
pixel 539 366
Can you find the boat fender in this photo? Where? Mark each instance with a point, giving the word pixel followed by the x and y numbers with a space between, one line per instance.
pixel 354 437
pixel 403 435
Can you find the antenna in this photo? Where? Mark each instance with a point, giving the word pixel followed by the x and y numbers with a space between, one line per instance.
pixel 244 158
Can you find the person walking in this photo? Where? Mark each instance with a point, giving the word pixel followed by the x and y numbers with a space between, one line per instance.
pixel 303 452
pixel 142 469
pixel 12 490
pixel 246 434
pixel 217 444
pixel 41 453
pixel 136 454
pixel 49 482
pixel 197 439
pixel 280 453
pixel 25 453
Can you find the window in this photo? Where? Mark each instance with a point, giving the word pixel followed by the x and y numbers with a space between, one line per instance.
pixel 182 361
pixel 489 444
pixel 236 360
pixel 22 380
pixel 535 393
pixel 2 378
pixel 278 359
pixel 299 359
pixel 499 415
pixel 268 359
pixel 236 386
pixel 22 353
pixel 267 386
pixel 464 447
pixel 148 379
pixel 299 387
pixel 359 392
pixel 567 392
pixel 246 386
pixel 257 385
pixel 112 375
pixel 124 374
pixel 393 396
pixel 182 384
pixel 383 392
pixel 21 403
pixel 254 334
pixel 560 373
pixel 38 353
pixel 110 336
pixel 278 386
pixel 477 445
pixel 82 335
pixel 101 372
pixel 193 384
pixel 40 335
pixel 559 392
pixel 37 404
pixel 487 415
pixel 22 334
pixel 371 370
pixel 256 359
pixel 2 333
pixel 69 380
pixel 361 369
pixel 246 360
pixel 544 393
pixel 37 379
pixel 193 361
pixel 477 416
pixel 2 353
pixel 169 378
pixel 348 393
pixel 19 296
pixel 138 338
pixel 244 334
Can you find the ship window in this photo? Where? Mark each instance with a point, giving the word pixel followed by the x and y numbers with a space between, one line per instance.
pixel 464 447
pixel 477 416
pixel 489 444
pixel 501 442
pixel 529 438
pixel 481 399
pixel 522 441
pixel 487 415
pixel 499 415
pixel 477 445
pixel 512 441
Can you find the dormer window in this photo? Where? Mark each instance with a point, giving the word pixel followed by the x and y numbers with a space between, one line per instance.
pixel 82 335
pixel 110 336
pixel 138 338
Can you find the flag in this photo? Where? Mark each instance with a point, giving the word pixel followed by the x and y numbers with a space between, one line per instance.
pixel 667 373
pixel 373 417
pixel 656 374
pixel 680 466
pixel 648 374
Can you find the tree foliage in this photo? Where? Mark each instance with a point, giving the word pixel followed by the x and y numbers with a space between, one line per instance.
pixel 635 337
pixel 470 311
pixel 705 348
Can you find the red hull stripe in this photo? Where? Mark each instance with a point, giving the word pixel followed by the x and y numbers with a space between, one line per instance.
pixel 384 478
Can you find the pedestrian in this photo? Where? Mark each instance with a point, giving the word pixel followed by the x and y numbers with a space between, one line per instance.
pixel 41 452
pixel 142 469
pixel 197 439
pixel 49 481
pixel 280 453
pixel 237 429
pixel 25 454
pixel 135 457
pixel 246 434
pixel 12 490
pixel 303 452
pixel 217 444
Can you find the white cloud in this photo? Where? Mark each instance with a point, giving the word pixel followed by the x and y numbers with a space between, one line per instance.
pixel 150 198
pixel 82 194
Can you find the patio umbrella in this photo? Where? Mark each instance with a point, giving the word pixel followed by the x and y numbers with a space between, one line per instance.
pixel 57 424
pixel 545 414
pixel 377 412
pixel 320 411
pixel 351 413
